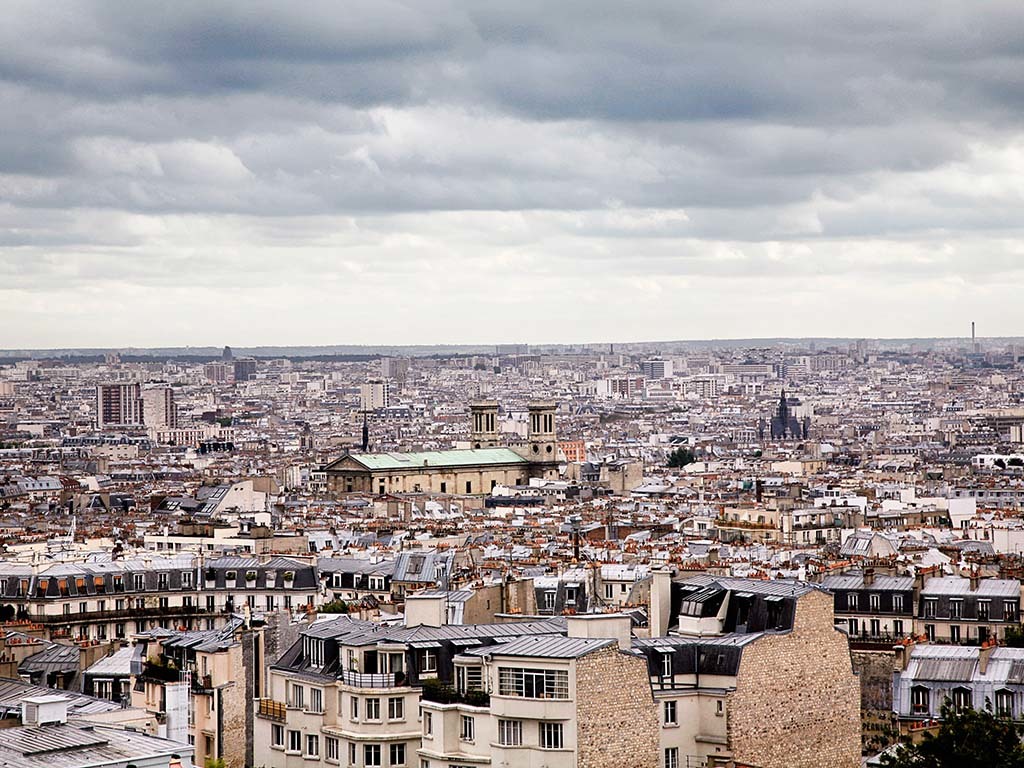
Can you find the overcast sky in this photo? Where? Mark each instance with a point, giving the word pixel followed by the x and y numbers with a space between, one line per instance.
pixel 428 172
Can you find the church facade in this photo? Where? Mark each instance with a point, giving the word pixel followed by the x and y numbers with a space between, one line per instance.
pixel 784 424
pixel 473 471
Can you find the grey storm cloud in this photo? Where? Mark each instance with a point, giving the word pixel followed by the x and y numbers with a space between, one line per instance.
pixel 143 145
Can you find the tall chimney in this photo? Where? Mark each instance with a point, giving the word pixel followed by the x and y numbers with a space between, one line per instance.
pixel 869 577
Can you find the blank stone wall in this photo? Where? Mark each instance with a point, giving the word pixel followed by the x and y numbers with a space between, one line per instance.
pixel 797 700
pixel 616 719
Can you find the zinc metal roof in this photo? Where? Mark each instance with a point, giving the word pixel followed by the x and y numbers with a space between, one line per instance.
pixel 955 585
pixel 548 646
pixel 435 459
pixel 880 583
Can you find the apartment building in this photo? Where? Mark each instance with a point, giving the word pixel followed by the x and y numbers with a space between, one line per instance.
pixel 727 659
pixel 576 690
pixel 108 599
pixel 349 690
pixel 953 609
pixel 969 677
pixel 201 686
pixel 873 607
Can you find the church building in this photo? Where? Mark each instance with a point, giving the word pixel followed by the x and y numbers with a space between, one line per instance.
pixel 476 470
pixel 784 424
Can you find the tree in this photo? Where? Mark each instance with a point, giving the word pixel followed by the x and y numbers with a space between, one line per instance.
pixel 1014 637
pixel 968 738
pixel 335 606
pixel 680 457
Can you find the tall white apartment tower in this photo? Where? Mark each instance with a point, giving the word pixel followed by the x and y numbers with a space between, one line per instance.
pixel 374 395
pixel 159 411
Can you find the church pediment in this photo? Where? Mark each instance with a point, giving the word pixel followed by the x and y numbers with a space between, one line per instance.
pixel 343 463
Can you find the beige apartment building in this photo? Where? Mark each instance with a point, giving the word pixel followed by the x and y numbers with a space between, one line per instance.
pixel 735 672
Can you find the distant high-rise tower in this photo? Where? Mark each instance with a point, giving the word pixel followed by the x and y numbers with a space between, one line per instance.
pixel 159 410
pixel 226 354
pixel 374 395
pixel 244 369
pixel 118 405
pixel 657 369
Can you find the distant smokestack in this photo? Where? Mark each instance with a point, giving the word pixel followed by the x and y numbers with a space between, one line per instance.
pixel 973 337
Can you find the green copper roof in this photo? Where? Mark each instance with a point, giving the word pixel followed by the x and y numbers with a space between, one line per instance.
pixel 464 458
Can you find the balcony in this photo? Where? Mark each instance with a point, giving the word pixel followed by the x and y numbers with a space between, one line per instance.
pixel 370 680
pixel 439 693
pixel 722 522
pixel 269 709
pixel 129 613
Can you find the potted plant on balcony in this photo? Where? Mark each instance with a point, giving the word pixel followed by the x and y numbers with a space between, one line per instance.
pixel 250 577
pixel 289 577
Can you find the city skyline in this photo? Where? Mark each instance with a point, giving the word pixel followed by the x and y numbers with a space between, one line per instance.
pixel 448 173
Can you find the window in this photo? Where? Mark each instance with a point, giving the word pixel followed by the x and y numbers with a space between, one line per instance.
pixel 897 603
pixel 669 709
pixel 353 753
pixel 671 757
pixel 294 741
pixel 186 579
pixel 874 601
pixel 354 702
pixel 666 665
pixel 428 724
pixel 1004 703
pixel 83 607
pixel 397 754
pixel 570 595
pixel 920 700
pixel 854 626
pixel 316 700
pixel 897 627
pixel 1009 610
pixel 467 732
pixel 371 754
pixel 961 698
pixel 139 582
pixel 429 662
pixel 396 708
pixel 929 632
pixel 510 733
pixel 956 609
pixel 954 633
pixel 533 683
pixel 851 601
pixel 876 628
pixel 550 735
pixel 373 709
pixel 277 735
pixel 331 751
pixel 609 591
pixel 984 609
pixel 549 599
pixel 312 745
pixel 929 607
pixel 298 696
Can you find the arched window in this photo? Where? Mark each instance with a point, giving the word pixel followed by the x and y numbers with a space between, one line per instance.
pixel 920 700
pixel 1004 703
pixel 961 698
